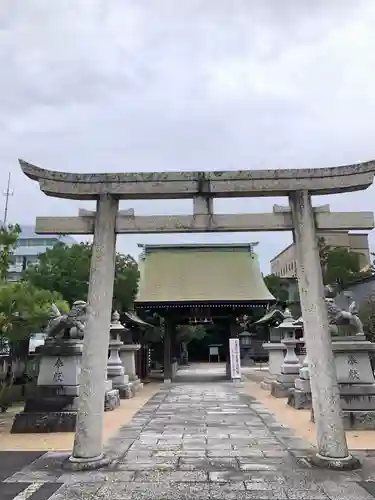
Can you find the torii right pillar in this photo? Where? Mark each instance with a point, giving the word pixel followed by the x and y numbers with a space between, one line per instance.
pixel 332 448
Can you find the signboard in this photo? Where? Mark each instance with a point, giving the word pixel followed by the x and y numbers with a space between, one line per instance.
pixel 235 359
pixel 214 351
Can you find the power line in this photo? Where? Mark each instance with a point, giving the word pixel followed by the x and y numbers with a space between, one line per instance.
pixel 9 192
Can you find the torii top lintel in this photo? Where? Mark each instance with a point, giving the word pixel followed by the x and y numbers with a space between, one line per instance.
pixel 224 184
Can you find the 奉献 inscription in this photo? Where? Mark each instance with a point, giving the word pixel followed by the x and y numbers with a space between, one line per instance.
pixel 353 370
pixel 58 376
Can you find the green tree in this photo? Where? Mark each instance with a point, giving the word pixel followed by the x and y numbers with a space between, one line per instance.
pixel 8 241
pixel 184 333
pixel 367 316
pixel 342 267
pixel 372 268
pixel 66 269
pixel 187 333
pixel 323 250
pixel 126 282
pixel 25 309
pixel 279 287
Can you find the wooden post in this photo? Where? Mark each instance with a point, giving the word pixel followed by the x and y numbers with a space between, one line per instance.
pixel 168 327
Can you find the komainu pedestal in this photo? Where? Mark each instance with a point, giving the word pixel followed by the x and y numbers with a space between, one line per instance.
pixel 53 407
pixel 356 381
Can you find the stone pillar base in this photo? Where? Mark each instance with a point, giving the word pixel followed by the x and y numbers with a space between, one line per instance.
pixel 121 383
pixel 129 390
pixel 299 400
pixel 280 387
pixel 83 464
pixel 279 390
pixel 111 400
pixel 124 391
pixel 339 464
pixel 303 385
pixel 267 382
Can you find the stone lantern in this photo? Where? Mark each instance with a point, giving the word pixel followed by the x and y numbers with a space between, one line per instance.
pixel 127 354
pixel 246 348
pixel 127 336
pixel 300 396
pixel 115 369
pixel 291 365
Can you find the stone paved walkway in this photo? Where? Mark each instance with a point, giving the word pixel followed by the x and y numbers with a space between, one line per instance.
pixel 200 440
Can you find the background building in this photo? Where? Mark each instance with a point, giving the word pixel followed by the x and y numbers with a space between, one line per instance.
pixel 362 290
pixel 29 246
pixel 284 264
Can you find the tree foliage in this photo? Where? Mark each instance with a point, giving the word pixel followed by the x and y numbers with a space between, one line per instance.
pixel 184 333
pixel 340 265
pixel 367 316
pixel 187 333
pixel 323 250
pixel 343 267
pixel 8 241
pixel 279 287
pixel 155 332
pixel 25 309
pixel 126 282
pixel 66 269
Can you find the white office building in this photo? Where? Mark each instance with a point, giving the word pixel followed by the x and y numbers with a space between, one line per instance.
pixel 29 246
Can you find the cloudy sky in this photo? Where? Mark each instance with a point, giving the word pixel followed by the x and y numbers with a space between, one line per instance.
pixel 118 85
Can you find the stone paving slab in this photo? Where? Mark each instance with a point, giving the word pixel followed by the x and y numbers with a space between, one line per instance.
pixel 203 441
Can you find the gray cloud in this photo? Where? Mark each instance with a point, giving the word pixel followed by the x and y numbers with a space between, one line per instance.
pixel 118 85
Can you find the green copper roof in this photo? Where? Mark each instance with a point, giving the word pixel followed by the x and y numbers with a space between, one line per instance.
pixel 201 273
pixel 270 315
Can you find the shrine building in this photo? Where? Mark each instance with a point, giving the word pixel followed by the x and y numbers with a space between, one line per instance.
pixel 192 284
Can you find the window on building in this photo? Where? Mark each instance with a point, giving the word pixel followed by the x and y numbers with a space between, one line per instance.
pixel 37 242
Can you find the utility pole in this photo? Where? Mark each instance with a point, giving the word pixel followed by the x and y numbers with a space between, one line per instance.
pixel 9 192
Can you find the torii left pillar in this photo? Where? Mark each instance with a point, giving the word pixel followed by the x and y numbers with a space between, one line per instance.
pixel 88 442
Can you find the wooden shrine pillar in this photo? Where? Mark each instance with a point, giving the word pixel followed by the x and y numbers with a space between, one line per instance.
pixel 168 333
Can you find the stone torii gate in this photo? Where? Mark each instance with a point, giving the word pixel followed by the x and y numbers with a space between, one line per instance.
pixel 300 217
